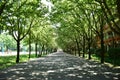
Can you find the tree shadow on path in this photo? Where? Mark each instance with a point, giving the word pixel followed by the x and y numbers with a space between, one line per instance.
pixel 60 66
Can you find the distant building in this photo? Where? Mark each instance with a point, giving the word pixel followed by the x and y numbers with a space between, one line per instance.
pixel 111 39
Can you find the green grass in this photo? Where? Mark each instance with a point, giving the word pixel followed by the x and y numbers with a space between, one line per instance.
pixel 7 61
pixel 94 57
pixel 107 59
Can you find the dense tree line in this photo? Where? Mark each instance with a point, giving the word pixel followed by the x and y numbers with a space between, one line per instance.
pixel 81 21
pixel 73 24
pixel 23 18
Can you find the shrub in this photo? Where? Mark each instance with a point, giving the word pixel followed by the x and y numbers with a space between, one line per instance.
pixel 93 50
pixel 114 53
pixel 98 52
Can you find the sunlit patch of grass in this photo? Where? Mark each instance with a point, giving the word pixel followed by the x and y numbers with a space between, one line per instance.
pixel 24 58
pixel 94 57
pixel 7 61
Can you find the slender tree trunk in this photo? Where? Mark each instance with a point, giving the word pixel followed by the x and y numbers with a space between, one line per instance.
pixel 42 49
pixel 29 46
pixel 36 49
pixel 75 49
pixel 46 51
pixel 67 50
pixel 102 42
pixel 78 47
pixel 83 46
pixel 70 50
pixel 7 49
pixel 102 49
pixel 39 51
pixel 18 51
pixel 89 52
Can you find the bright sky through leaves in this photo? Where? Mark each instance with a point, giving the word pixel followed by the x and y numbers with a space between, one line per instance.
pixel 48 4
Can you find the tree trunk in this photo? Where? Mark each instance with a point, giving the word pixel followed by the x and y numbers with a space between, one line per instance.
pixel 7 49
pixel 102 49
pixel 29 47
pixel 102 42
pixel 75 50
pixel 78 47
pixel 46 51
pixel 83 46
pixel 42 50
pixel 89 52
pixel 39 51
pixel 36 49
pixel 18 51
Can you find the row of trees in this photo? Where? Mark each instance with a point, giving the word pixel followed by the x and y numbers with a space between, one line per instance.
pixel 26 20
pixel 80 21
pixel 76 23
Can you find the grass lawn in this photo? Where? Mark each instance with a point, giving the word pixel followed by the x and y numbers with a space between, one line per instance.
pixel 6 61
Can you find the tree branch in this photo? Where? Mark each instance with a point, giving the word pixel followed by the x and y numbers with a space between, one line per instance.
pixel 28 29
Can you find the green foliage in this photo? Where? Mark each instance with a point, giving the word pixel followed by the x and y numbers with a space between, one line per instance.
pixel 75 19
pixel 42 33
pixel 8 41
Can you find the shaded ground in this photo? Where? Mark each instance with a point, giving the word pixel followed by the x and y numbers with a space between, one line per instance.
pixel 60 66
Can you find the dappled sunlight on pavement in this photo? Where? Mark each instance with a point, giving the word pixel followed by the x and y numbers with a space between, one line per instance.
pixel 60 66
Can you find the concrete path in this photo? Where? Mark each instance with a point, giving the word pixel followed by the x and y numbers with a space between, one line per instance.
pixel 60 66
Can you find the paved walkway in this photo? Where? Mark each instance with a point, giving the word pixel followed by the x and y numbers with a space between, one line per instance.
pixel 60 66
